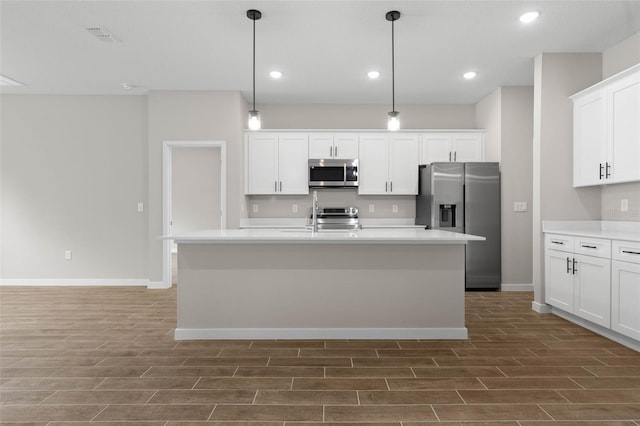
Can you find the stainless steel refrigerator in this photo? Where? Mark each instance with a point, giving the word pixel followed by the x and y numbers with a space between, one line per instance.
pixel 465 197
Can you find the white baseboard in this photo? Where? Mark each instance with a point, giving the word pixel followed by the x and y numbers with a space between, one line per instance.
pixel 74 282
pixel 516 287
pixel 608 333
pixel 541 308
pixel 157 285
pixel 319 333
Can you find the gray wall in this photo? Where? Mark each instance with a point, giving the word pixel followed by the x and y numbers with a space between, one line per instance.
pixel 616 59
pixel 507 116
pixel 195 189
pixel 201 115
pixel 73 171
pixel 558 76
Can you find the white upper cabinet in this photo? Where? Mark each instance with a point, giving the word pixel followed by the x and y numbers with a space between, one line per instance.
pixel 388 164
pixel 276 164
pixel 606 145
pixel 333 145
pixel 451 147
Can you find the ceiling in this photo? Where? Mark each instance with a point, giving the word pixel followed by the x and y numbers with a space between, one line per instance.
pixel 324 48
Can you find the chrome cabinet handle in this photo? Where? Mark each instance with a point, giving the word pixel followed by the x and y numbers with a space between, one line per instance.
pixel 557 242
pixel 275 186
pixel 574 266
pixel 335 151
pixel 568 265
pixel 586 246
pixel 280 186
pixel 330 151
pixel 449 156
pixel 391 186
pixel 386 184
pixel 631 252
pixel 607 173
pixel 601 171
pixel 455 156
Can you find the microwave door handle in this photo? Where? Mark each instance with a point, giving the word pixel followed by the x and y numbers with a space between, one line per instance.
pixel 344 173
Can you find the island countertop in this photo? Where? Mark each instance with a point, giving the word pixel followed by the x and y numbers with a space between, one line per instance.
pixel 306 236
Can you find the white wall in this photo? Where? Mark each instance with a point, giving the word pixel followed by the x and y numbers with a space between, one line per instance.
pixel 73 171
pixel 558 76
pixel 618 58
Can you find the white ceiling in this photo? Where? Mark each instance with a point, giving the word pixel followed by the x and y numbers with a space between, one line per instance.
pixel 324 48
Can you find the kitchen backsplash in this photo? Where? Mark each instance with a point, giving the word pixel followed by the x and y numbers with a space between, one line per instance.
pixel 283 206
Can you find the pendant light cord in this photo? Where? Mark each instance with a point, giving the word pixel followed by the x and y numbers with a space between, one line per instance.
pixel 393 71
pixel 254 64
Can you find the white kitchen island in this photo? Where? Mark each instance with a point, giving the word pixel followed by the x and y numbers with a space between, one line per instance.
pixel 297 284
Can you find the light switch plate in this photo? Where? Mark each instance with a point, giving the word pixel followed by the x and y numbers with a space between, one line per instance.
pixel 372 208
pixel 624 205
pixel 520 206
pixel 255 208
pixel 394 208
pixel 67 255
pixel 140 207
pixel 294 208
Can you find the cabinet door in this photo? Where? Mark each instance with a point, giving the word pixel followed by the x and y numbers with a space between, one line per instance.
pixel 403 164
pixel 345 146
pixel 468 147
pixel 374 165
pixel 293 154
pixel 321 145
pixel 436 148
pixel 624 129
pixel 592 298
pixel 558 283
pixel 262 164
pixel 625 298
pixel 589 140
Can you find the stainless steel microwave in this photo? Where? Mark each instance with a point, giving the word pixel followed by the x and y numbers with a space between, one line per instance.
pixel 333 173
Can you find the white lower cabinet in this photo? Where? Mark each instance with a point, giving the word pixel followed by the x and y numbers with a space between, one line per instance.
pixel 625 289
pixel 577 283
pixel 592 298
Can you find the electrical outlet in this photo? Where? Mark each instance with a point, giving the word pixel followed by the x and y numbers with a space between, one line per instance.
pixel 255 208
pixel 67 255
pixel 294 208
pixel 394 208
pixel 372 208
pixel 520 206
pixel 140 207
pixel 624 205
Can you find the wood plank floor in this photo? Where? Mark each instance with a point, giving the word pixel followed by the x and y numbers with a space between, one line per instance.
pixel 107 356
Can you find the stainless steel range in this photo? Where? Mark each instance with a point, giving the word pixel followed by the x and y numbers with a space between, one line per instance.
pixel 336 218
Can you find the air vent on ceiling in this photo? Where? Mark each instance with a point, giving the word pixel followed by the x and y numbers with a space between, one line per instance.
pixel 101 33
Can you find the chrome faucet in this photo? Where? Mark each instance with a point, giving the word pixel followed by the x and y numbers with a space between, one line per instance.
pixel 314 212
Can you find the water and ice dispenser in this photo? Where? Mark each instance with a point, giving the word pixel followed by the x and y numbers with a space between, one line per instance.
pixel 447 216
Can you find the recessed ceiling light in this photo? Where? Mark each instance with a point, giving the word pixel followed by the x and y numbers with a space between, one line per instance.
pixel 373 74
pixel 529 17
pixel 6 81
pixel 275 74
pixel 470 75
pixel 127 86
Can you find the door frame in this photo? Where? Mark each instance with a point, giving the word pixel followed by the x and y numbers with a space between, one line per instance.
pixel 167 149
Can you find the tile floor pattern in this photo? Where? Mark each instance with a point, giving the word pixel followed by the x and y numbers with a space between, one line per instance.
pixel 107 356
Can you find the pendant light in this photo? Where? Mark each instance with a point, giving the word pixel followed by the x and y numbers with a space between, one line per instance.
pixel 254 116
pixel 393 122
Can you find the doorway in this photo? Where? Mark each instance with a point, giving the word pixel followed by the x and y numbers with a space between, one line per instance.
pixel 194 193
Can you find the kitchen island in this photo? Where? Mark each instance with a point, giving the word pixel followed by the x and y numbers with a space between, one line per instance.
pixel 297 284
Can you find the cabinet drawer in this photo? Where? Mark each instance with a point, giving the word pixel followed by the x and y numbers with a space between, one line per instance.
pixel 626 251
pixel 559 242
pixel 592 247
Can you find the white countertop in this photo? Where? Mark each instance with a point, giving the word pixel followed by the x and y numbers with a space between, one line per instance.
pixel 610 230
pixel 302 236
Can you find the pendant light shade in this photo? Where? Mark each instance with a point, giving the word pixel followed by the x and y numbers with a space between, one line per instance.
pixel 393 122
pixel 254 115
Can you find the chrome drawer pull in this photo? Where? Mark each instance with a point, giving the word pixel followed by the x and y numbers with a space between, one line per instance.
pixel 557 242
pixel 591 247
pixel 631 252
